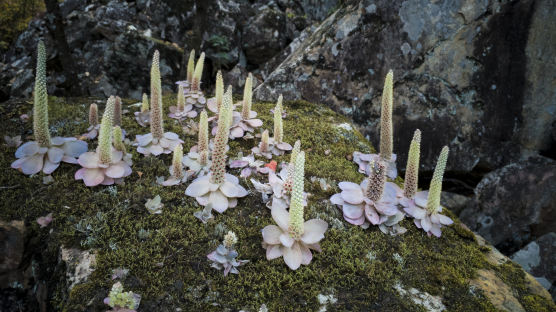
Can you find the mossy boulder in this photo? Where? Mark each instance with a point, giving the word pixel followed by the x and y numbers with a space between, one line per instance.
pixel 358 270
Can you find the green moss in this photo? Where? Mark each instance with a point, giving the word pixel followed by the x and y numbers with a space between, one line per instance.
pixel 169 268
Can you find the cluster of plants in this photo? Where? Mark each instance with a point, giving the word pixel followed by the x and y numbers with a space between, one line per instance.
pixel 374 201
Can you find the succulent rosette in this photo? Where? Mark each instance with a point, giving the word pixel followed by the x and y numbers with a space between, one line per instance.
pixel 157 141
pixel 293 238
pixel 107 165
pixel 218 188
pixel 198 159
pixel 373 201
pixel 143 117
pixel 181 111
pixel 249 164
pixel 224 257
pixel 177 173
pixel 425 206
pixel 45 153
pixel 364 162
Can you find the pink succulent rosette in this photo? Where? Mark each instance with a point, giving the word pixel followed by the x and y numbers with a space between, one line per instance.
pixel 273 149
pixel 220 196
pixel 147 144
pixel 240 127
pixel 143 118
pixel 363 161
pixel 92 132
pixel 358 209
pixel 94 172
pixel 423 219
pixel 187 112
pixel 193 163
pixel 212 105
pixel 195 98
pixel 249 165
pixel 278 241
pixel 275 187
pixel 32 158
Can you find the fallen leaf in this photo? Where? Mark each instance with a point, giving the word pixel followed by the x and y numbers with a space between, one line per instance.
pixel 45 221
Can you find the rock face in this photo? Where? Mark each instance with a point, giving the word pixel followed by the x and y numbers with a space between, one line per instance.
pixel 113 41
pixel 538 258
pixel 474 75
pixel 12 238
pixel 515 204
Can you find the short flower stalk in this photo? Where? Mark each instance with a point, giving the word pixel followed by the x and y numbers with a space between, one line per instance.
pixel 182 111
pixel 198 159
pixel 107 165
pixel 143 117
pixel 425 207
pixel 224 257
pixel 218 188
pixel 157 141
pixel 177 173
pixel 277 145
pixel 244 123
pixel 94 125
pixel 45 153
pixel 293 238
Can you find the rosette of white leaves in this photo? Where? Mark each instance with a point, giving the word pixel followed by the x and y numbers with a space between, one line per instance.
pixel 224 257
pixel 32 157
pixel 372 201
pixel 218 188
pixel 292 237
pixel 246 121
pixel 95 172
pixel 181 110
pixel 425 206
pixel 147 144
pixel 194 95
pixel 45 153
pixel 177 173
pixel 365 160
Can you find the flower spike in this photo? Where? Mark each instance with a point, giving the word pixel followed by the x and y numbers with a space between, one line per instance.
pixel 435 188
pixel 105 134
pixel 181 98
pixel 219 89
pixel 191 66
pixel 145 103
pixel 157 127
pixel 386 135
pixel 177 166
pixel 196 83
pixel 412 168
pixel 118 139
pixel 278 128
pixel 93 115
pixel 40 107
pixel 218 168
pixel 247 97
pixel 203 139
pixel 291 167
pixel 377 181
pixel 296 205
pixel 118 111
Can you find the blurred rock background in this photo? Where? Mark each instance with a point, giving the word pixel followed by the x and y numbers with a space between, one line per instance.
pixel 477 75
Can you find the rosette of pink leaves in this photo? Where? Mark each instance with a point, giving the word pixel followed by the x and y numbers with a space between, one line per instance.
pixel 198 159
pixel 218 188
pixel 181 111
pixel 157 141
pixel 425 206
pixel 94 125
pixel 143 117
pixel 249 164
pixel 214 103
pixel 194 95
pixel 45 153
pixel 245 122
pixel 292 237
pixel 373 201
pixel 364 162
pixel 106 165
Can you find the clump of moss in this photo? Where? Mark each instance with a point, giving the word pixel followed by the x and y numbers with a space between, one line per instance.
pixel 169 268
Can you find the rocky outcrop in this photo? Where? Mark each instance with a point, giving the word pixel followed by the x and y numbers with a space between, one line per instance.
pixel 113 41
pixel 515 204
pixel 467 73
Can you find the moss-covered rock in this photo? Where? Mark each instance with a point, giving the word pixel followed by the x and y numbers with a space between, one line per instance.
pixel 358 270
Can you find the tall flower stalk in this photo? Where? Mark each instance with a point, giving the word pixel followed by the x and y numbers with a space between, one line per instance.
pixel 293 238
pixel 198 160
pixel 425 206
pixel 94 126
pixel 143 117
pixel 412 168
pixel 45 153
pixel 157 141
pixel 194 95
pixel 244 123
pixel 218 188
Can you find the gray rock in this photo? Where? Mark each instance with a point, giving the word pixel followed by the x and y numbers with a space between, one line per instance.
pixel 464 73
pixel 539 258
pixel 12 247
pixel 514 204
